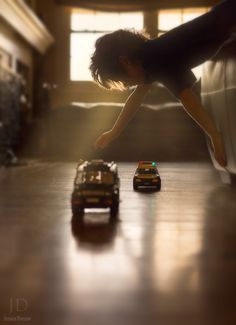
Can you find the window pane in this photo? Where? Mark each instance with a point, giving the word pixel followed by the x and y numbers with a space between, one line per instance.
pixel 189 14
pixel 169 19
pixel 82 46
pixel 131 21
pixel 105 21
pixel 83 21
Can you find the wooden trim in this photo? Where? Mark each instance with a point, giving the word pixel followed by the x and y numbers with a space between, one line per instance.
pixel 22 19
pixel 137 5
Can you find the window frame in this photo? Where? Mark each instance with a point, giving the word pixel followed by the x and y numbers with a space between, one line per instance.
pixel 182 9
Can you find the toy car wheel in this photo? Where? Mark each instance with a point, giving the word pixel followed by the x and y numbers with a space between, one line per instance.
pixel 159 187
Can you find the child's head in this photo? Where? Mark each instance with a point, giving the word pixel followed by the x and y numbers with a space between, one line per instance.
pixel 116 58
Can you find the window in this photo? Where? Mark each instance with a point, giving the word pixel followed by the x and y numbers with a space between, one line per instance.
pixel 171 18
pixel 86 27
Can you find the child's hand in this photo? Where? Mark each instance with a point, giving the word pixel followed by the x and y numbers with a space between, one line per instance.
pixel 219 151
pixel 104 140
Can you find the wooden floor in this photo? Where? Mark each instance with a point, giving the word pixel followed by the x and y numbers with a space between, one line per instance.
pixel 170 259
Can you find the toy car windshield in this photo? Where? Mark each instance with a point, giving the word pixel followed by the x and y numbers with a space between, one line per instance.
pixel 147 171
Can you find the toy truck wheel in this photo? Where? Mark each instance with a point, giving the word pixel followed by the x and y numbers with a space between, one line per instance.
pixel 114 209
pixel 77 211
pixel 135 187
pixel 118 196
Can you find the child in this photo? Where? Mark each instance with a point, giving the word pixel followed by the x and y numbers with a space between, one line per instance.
pixel 124 58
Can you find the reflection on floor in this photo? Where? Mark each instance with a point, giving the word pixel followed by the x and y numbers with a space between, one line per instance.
pixel 170 258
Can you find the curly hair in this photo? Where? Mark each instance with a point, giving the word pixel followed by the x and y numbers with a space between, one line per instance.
pixel 105 67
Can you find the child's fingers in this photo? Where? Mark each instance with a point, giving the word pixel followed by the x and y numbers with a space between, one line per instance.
pixel 103 140
pixel 221 159
pixel 96 144
pixel 99 143
pixel 219 150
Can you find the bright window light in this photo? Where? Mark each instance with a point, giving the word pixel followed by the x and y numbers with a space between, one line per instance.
pixel 170 18
pixel 86 28
pixel 82 46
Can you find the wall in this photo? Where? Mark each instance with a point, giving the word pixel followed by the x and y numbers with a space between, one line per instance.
pixel 21 32
pixel 18 49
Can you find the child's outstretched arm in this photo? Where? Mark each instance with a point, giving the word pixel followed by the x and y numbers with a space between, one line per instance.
pixel 194 108
pixel 130 108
